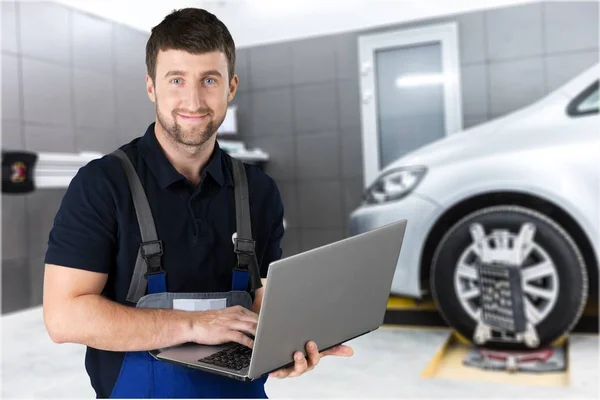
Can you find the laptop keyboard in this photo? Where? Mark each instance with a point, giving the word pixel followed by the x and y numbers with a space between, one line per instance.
pixel 236 358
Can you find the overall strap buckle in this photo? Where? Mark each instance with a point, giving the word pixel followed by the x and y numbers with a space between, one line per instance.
pixel 152 251
pixel 244 246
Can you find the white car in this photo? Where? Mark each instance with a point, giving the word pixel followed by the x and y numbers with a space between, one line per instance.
pixel 520 190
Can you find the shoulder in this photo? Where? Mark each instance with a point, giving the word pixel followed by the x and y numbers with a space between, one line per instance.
pixel 105 169
pixel 258 180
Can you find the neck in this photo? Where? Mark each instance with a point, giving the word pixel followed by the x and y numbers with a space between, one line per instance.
pixel 189 161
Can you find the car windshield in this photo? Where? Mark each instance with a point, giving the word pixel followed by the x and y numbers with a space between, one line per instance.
pixel 586 103
pixel 590 103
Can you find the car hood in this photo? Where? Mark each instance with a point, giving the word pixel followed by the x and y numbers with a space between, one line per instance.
pixel 503 134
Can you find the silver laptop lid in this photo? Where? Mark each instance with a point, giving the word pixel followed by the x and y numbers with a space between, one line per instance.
pixel 329 295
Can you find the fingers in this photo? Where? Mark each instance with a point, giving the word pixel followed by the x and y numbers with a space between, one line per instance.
pixel 313 355
pixel 239 337
pixel 300 367
pixel 239 310
pixel 301 364
pixel 339 351
pixel 240 313
pixel 241 326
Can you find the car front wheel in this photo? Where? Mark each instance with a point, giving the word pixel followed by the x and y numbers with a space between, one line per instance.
pixel 553 274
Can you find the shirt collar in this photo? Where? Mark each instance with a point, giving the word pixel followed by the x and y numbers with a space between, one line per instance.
pixel 162 168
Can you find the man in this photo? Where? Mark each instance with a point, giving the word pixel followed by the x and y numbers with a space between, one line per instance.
pixel 190 60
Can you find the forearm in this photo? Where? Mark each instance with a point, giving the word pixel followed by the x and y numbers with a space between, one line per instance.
pixel 95 321
pixel 259 297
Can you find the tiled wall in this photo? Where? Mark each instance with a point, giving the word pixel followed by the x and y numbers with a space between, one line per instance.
pixel 70 82
pixel 299 100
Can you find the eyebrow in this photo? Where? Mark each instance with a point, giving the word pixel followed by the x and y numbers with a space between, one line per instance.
pixel 171 73
pixel 183 73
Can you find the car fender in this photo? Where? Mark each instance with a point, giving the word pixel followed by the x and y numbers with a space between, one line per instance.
pixel 451 184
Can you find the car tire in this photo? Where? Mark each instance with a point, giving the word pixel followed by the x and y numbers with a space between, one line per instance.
pixel 556 306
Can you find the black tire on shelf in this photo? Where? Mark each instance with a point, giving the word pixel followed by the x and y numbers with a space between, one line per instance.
pixel 558 244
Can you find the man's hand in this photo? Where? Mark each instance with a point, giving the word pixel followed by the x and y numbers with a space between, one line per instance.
pixel 223 326
pixel 303 365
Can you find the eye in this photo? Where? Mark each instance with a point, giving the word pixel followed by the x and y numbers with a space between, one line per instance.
pixel 210 81
pixel 176 81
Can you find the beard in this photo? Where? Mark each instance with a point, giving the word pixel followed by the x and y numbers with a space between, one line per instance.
pixel 193 136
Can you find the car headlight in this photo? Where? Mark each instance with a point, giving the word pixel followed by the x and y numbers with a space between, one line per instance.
pixel 394 184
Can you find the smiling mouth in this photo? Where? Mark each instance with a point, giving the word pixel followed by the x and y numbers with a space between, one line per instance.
pixel 193 117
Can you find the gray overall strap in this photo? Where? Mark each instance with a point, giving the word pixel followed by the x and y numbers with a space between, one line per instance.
pixel 150 251
pixel 244 245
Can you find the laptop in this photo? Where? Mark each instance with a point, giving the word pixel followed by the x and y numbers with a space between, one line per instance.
pixel 330 295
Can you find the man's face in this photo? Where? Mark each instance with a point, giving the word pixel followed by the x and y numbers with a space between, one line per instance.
pixel 191 93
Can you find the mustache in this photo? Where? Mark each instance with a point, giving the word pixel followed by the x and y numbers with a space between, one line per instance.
pixel 201 111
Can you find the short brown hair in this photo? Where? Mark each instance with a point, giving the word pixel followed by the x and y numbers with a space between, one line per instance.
pixel 193 30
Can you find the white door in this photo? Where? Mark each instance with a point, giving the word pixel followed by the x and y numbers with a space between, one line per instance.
pixel 410 92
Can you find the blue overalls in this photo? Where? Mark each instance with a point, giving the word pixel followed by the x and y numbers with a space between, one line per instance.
pixel 142 375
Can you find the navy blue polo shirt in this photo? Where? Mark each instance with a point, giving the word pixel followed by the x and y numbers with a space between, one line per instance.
pixel 96 228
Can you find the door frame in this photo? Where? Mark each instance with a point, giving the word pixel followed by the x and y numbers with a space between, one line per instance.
pixel 447 35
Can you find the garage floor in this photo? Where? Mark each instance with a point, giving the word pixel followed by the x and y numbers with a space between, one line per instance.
pixel 387 363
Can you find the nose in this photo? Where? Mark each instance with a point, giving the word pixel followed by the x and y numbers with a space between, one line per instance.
pixel 193 100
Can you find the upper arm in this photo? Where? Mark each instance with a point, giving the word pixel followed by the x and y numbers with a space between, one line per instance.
pixel 61 286
pixel 84 232
pixel 273 249
pixel 82 242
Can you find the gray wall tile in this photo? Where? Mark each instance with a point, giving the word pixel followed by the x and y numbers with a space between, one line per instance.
pixel 49 138
pixel 242 69
pixel 92 43
pixel 353 190
pixel 272 112
pixel 36 280
pixel 52 105
pixel 14 226
pixel 11 90
pixel 141 112
pixel 313 60
pixel 289 197
pixel 290 244
pixel 9 26
pixel 349 107
pixel 12 135
pixel 243 100
pixel 102 140
pixel 320 204
pixel 313 238
pixel 474 90
pixel 471 37
pixel 346 56
pixel 15 285
pixel 130 76
pixel 130 52
pixel 94 99
pixel 45 31
pixel 270 66
pixel 42 206
pixel 570 26
pixel 318 156
pixel 515 84
pixel 352 159
pixel 278 55
pixel 473 122
pixel 315 107
pixel 514 32
pixel 281 165
pixel 561 68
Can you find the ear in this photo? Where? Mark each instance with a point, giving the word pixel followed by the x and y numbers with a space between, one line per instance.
pixel 150 89
pixel 233 85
